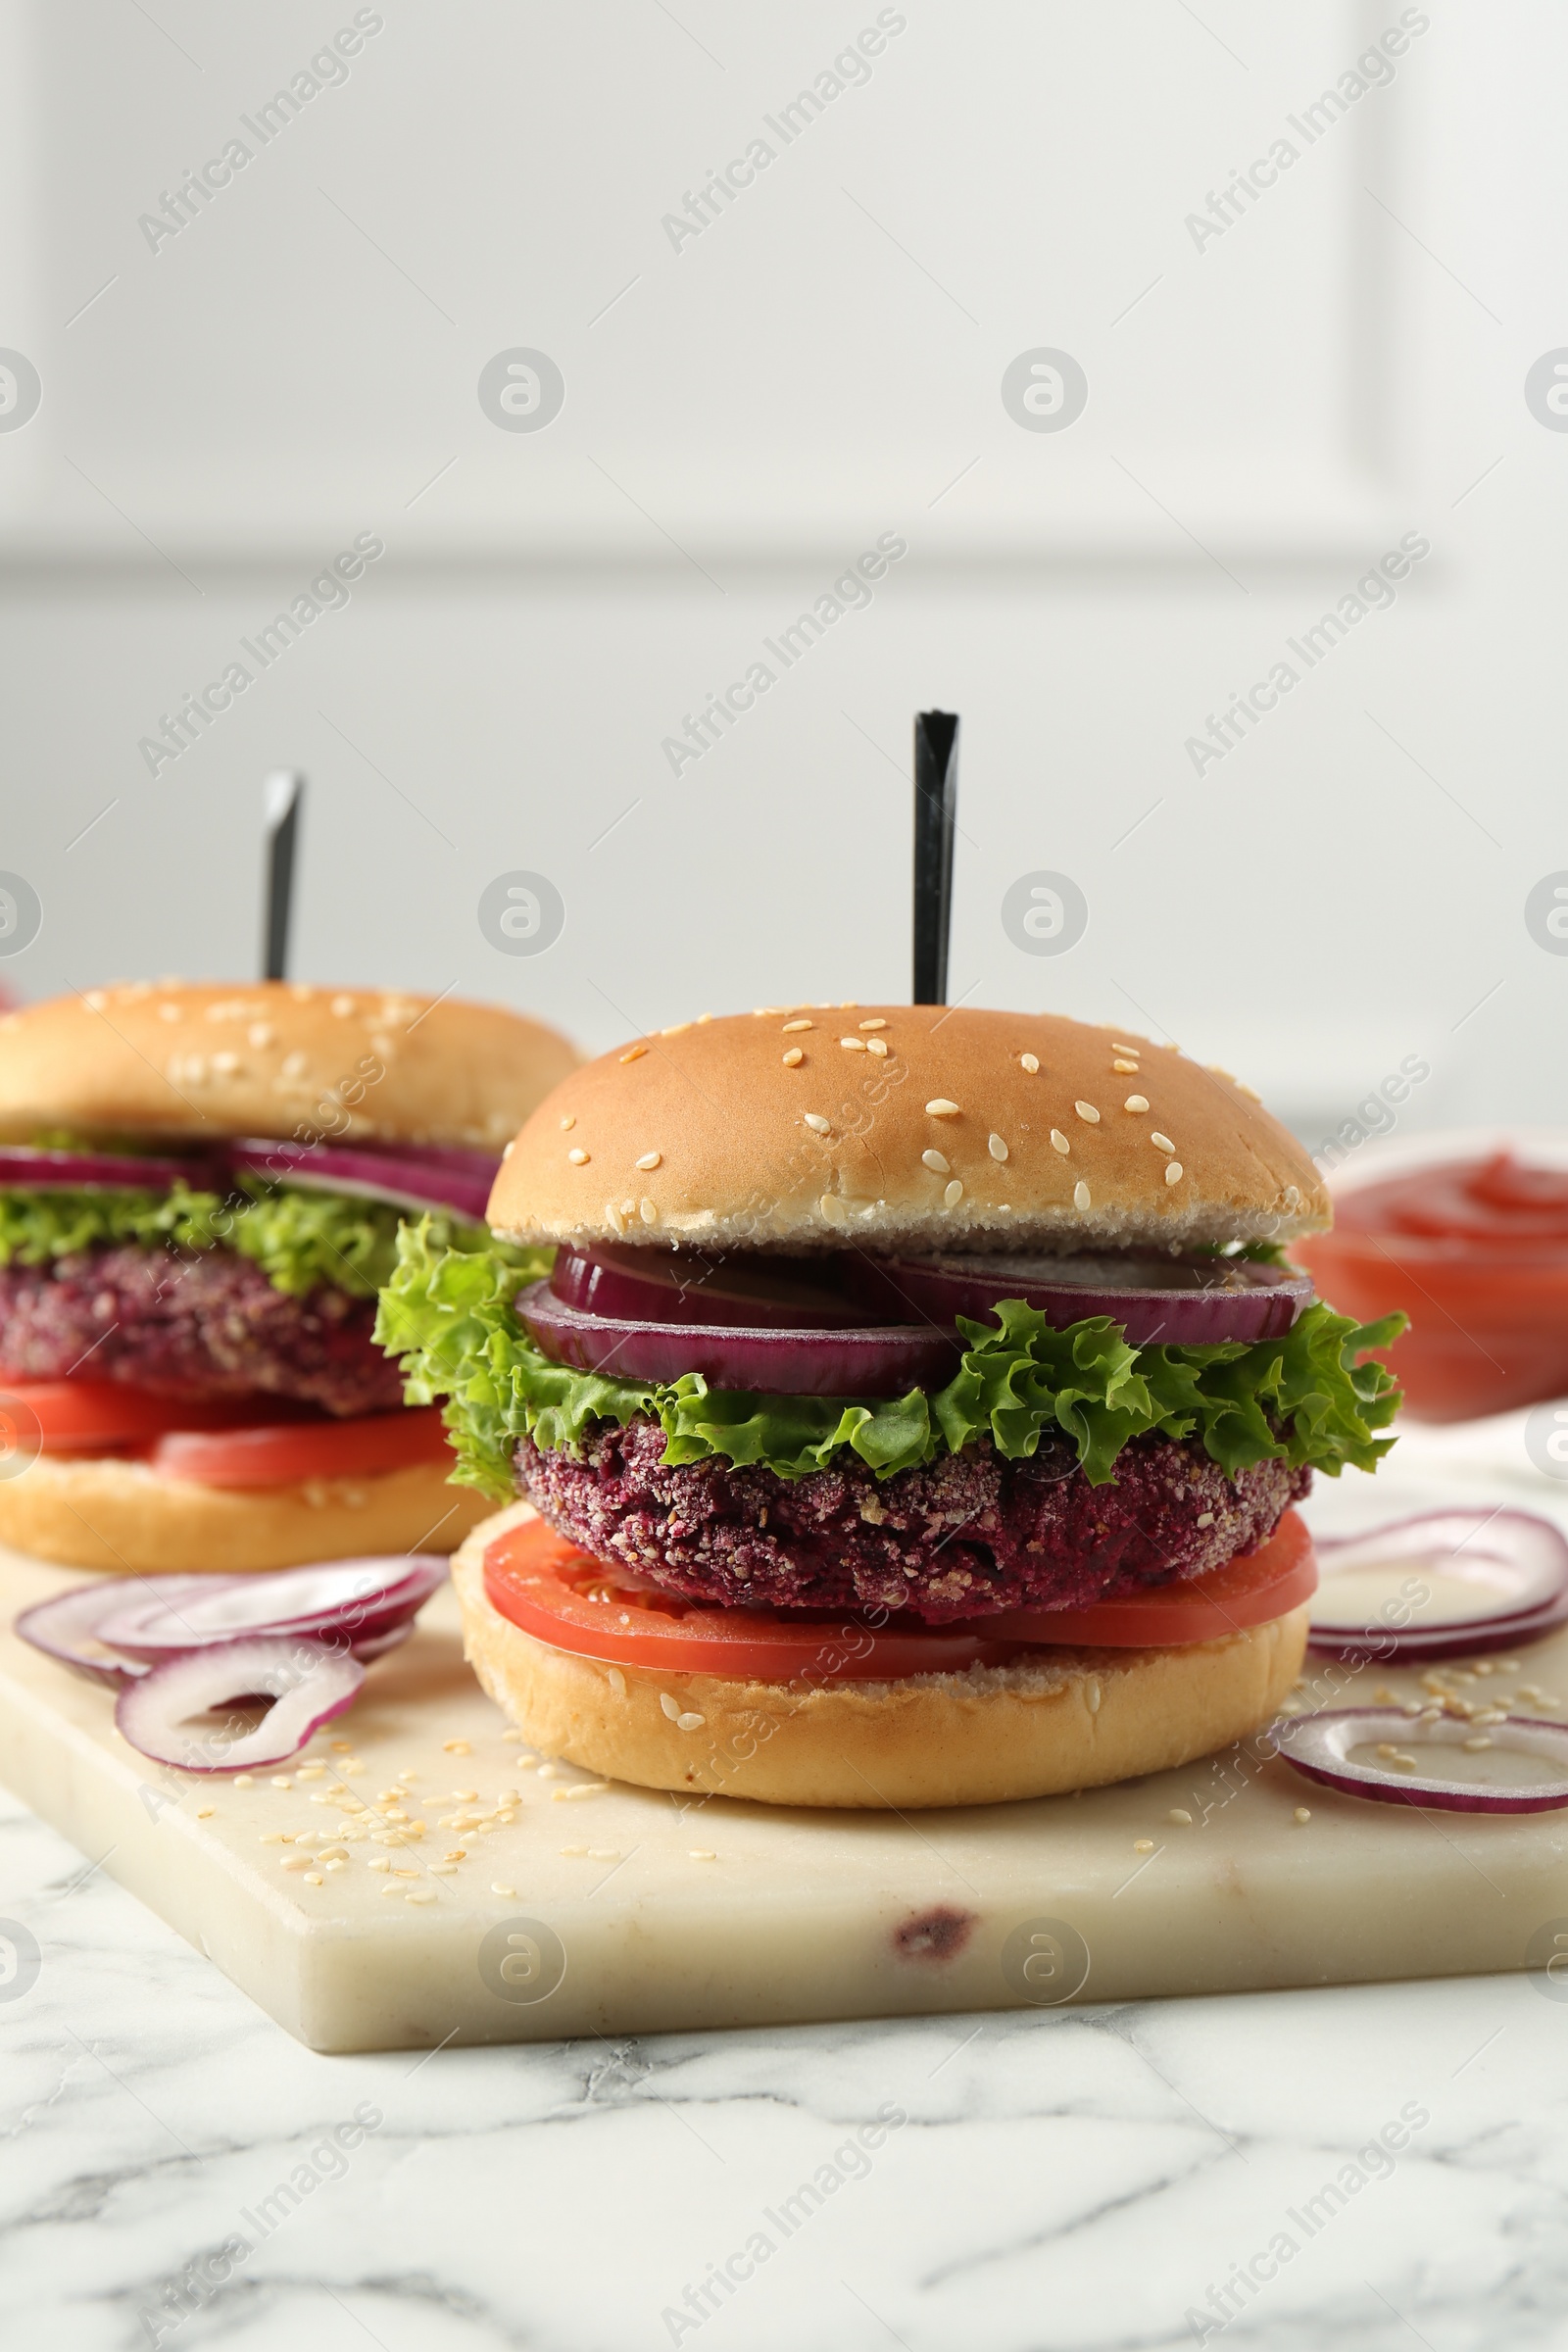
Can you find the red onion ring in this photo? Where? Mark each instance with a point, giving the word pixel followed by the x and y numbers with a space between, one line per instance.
pixel 362 1599
pixel 308 1684
pixel 410 1177
pixel 1184 1302
pixel 31 1171
pixel 1320 1746
pixel 63 1628
pixel 1519 1559
pixel 748 1290
pixel 868 1360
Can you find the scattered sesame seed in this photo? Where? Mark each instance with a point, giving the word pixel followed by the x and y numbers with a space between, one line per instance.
pixel 1162 1143
pixel 648 1210
pixel 1173 1172
pixel 260 1033
pixel 852 1045
pixel 676 1029
pixel 942 1109
pixel 791 1028
pixel 1087 1111
pixel 702 1853
pixel 649 1159
pixel 452 1747
pixel 877 1046
pixel 1301 1814
pixel 1136 1102
pixel 672 1706
pixel 604 1853
pixel 569 1123
pixel 314 1878
pixel 1474 1746
pixel 205 1812
pixel 420 1894
pixel 578 1156
pixel 1120 1045
pixel 445 1870
pixel 244 1779
pixel 996 1147
pixel 1127 1069
pixel 1080 1194
pixel 1059 1141
pixel 794 1058
pixel 937 1162
pixel 1091 1695
pixel 634 1053
pixel 617 1681
pixel 1143 1845
pixel 816 1123
pixel 833 1209
pixel 951 1194
pixel 878 1023
pixel 1029 1062
pixel 282 1781
pixel 497 1888
pixel 1178 1815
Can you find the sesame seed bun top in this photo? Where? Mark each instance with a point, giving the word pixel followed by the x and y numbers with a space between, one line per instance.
pixel 899 1126
pixel 205 1060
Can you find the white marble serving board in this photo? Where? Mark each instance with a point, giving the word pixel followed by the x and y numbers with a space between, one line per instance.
pixel 622 1911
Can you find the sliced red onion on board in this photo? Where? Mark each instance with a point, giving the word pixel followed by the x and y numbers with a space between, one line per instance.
pixel 409 1178
pixel 66 1627
pixel 359 1600
pixel 95 1171
pixel 1522 1769
pixel 1443 1585
pixel 1184 1302
pixel 306 1683
pixel 649 1285
pixel 868 1360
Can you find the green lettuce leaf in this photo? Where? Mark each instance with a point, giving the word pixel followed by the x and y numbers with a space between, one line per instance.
pixel 1304 1398
pixel 299 1237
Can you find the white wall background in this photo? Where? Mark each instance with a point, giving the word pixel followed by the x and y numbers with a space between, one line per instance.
pixel 1268 415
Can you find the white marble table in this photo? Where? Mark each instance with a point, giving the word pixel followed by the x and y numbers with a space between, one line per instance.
pixel 1078 2179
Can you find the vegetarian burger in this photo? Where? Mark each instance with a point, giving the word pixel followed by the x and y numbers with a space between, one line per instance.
pixel 913 1414
pixel 200 1193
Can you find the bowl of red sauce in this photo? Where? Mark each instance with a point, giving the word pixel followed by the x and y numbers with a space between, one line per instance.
pixel 1468 1234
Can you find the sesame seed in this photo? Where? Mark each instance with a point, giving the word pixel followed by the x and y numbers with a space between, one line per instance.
pixel 1092 1697
pixel 420 1894
pixel 634 1053
pixel 451 1747
pixel 791 1027
pixel 1120 1045
pixel 282 1781
pixel 204 1812
pixel 702 1853
pixel 244 1779
pixel 996 1147
pixel 1136 1102
pixel 816 1123
pixel 676 1029
pixel 578 1156
pixel 672 1706
pixel 852 1045
pixel 1162 1143
pixel 604 1853
pixel 649 1159
pixel 1143 1845
pixel 1173 1173
pixel 794 1058
pixel 1301 1814
pixel 942 1109
pixel 342 1006
pixel 937 1163
pixel 1179 1815
pixel 648 1210
pixel 294 1065
pixel 569 1123
pixel 877 1046
pixel 1080 1194
pixel 1029 1062
pixel 617 1681
pixel 693 1722
pixel 1128 1069
pixel 497 1888
pixel 1474 1746
pixel 833 1209
pixel 1058 1142
pixel 876 1024
pixel 951 1194
pixel 1087 1111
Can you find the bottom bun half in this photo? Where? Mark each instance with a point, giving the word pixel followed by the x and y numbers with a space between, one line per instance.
pixel 107 1512
pixel 1059 1720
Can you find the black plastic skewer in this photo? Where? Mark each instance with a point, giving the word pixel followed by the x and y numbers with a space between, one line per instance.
pixel 936 802
pixel 281 797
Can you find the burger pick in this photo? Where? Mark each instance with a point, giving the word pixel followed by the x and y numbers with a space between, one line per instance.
pixel 914 1413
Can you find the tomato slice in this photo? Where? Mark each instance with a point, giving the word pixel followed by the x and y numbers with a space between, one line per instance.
pixel 89 1416
pixel 278 1455
pixel 1248 1589
pixel 564 1596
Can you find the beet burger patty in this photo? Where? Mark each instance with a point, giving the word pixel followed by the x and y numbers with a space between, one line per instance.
pixel 973 1332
